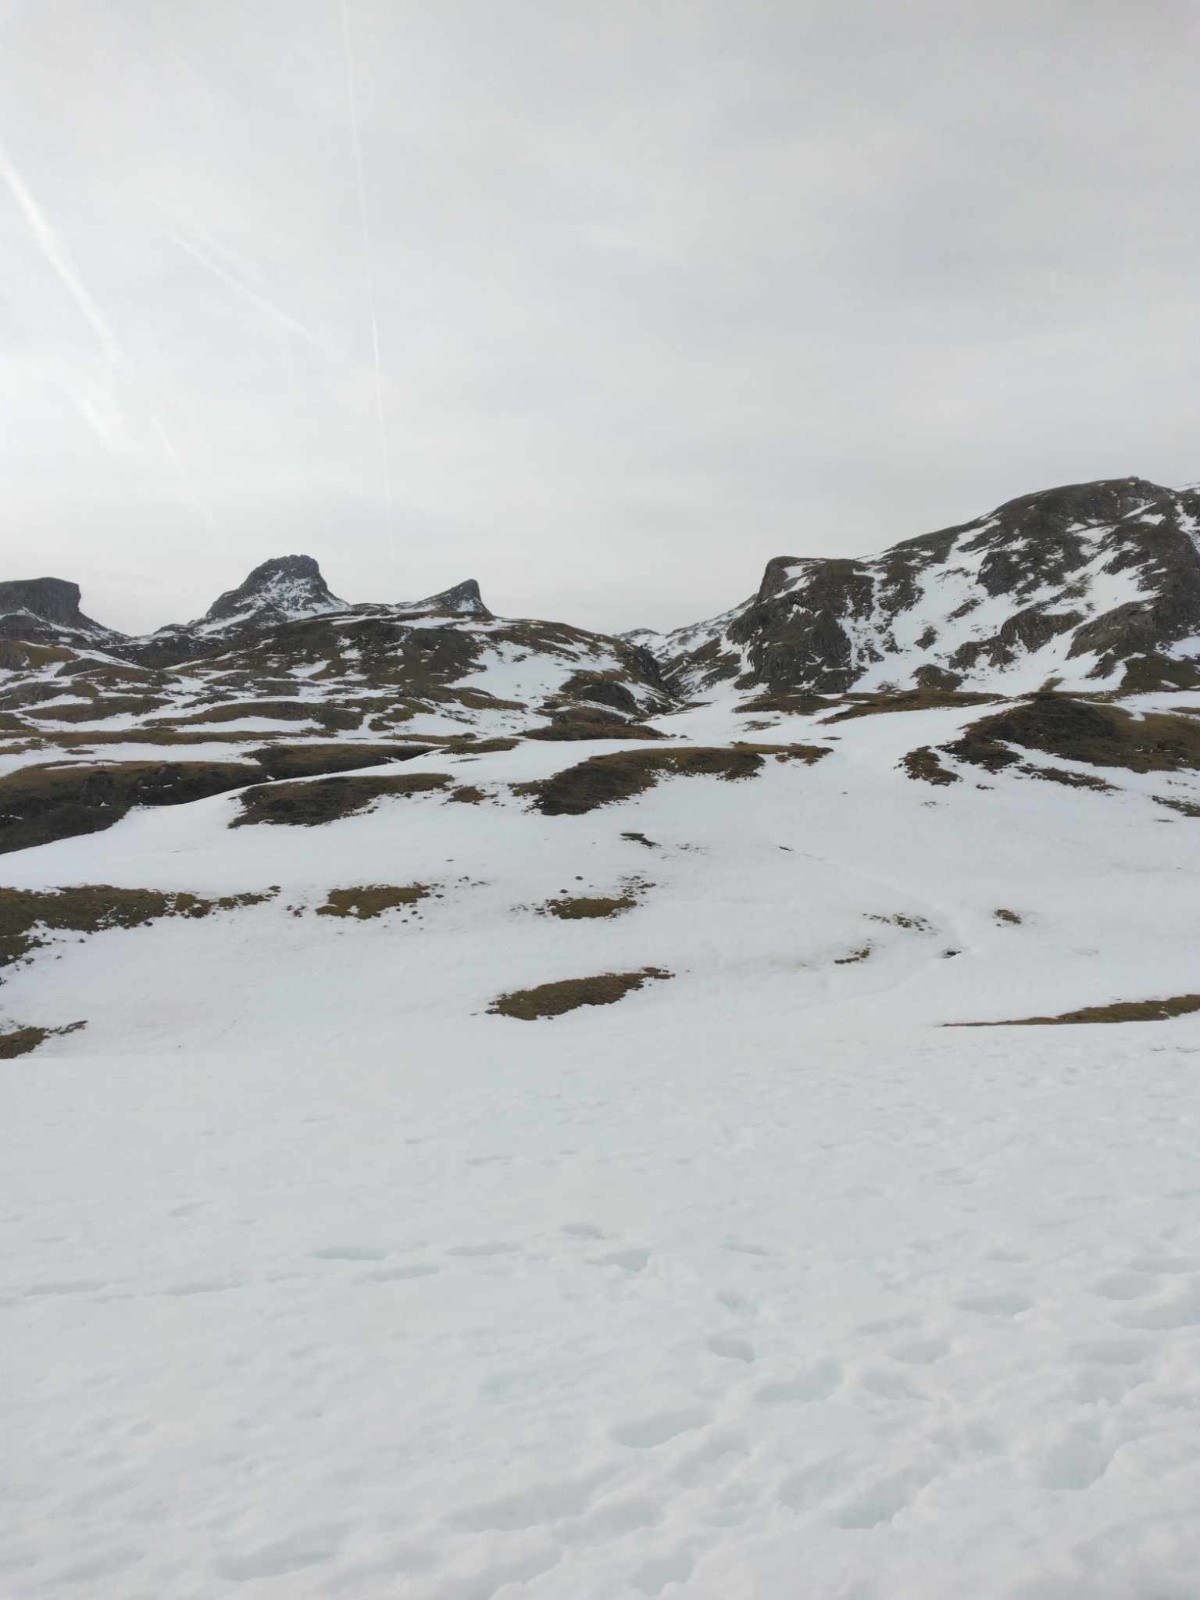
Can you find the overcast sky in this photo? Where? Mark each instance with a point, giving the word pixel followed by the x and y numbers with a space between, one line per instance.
pixel 661 289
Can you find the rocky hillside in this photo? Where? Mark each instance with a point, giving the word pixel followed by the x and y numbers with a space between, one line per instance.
pixel 1095 586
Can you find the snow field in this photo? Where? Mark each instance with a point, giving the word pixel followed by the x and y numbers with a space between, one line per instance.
pixel 316 1280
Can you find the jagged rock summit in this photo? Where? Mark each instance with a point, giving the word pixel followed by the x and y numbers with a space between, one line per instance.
pixel 1093 585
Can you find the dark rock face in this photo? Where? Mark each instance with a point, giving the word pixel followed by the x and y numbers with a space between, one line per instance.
pixel 1095 582
pixel 46 610
pixel 464 600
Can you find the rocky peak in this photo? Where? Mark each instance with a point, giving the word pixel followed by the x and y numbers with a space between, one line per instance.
pixel 280 590
pixel 43 609
pixel 463 600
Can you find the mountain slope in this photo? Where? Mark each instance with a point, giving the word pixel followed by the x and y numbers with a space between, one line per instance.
pixel 1093 586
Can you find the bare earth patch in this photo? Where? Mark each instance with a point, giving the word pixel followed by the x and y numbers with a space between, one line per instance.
pixel 553 999
pixel 1179 1005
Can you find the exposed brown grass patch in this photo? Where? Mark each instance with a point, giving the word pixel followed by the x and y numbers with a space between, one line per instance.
pixel 371 900
pixel 1179 1005
pixel 925 765
pixel 41 803
pixel 873 705
pixel 587 725
pixel 1077 730
pixel 311 760
pixel 309 805
pixel 583 907
pixel 609 779
pixel 330 717
pixel 1010 918
pixel 1069 780
pixel 1185 808
pixel 863 953
pixel 553 999
pixel 28 915
pixel 20 1041
pixel 466 795
pixel 798 703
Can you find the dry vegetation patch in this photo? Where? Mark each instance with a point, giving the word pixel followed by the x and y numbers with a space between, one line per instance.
pixel 925 765
pixel 309 805
pixel 1078 730
pixel 608 779
pixel 371 900
pixel 331 717
pixel 796 703
pixel 312 760
pixel 41 803
pixel 20 1041
pixel 863 953
pixel 583 907
pixel 1178 1005
pixel 553 999
pixel 586 725
pixel 27 915
pixel 871 705
pixel 97 710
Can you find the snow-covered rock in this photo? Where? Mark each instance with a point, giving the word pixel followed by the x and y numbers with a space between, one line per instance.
pixel 1094 586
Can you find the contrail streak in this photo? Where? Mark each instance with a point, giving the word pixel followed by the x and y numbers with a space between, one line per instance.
pixel 239 287
pixel 367 259
pixel 48 243
pixel 192 494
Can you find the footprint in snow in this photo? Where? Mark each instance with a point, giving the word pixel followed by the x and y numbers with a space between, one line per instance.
pixel 1001 1303
pixel 919 1352
pixel 646 1433
pixel 731 1347
pixel 348 1252
pixel 497 1247
pixel 418 1269
pixel 631 1261
pixel 815 1382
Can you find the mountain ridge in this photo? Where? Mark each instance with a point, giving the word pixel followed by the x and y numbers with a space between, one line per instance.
pixel 1094 585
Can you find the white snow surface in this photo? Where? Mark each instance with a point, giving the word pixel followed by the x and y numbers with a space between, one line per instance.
pixel 763 1284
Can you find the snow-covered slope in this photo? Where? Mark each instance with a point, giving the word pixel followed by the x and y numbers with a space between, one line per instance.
pixel 477 1127
pixel 320 1280
pixel 1093 586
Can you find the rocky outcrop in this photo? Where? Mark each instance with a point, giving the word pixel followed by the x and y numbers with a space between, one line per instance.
pixel 1094 585
pixel 46 611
